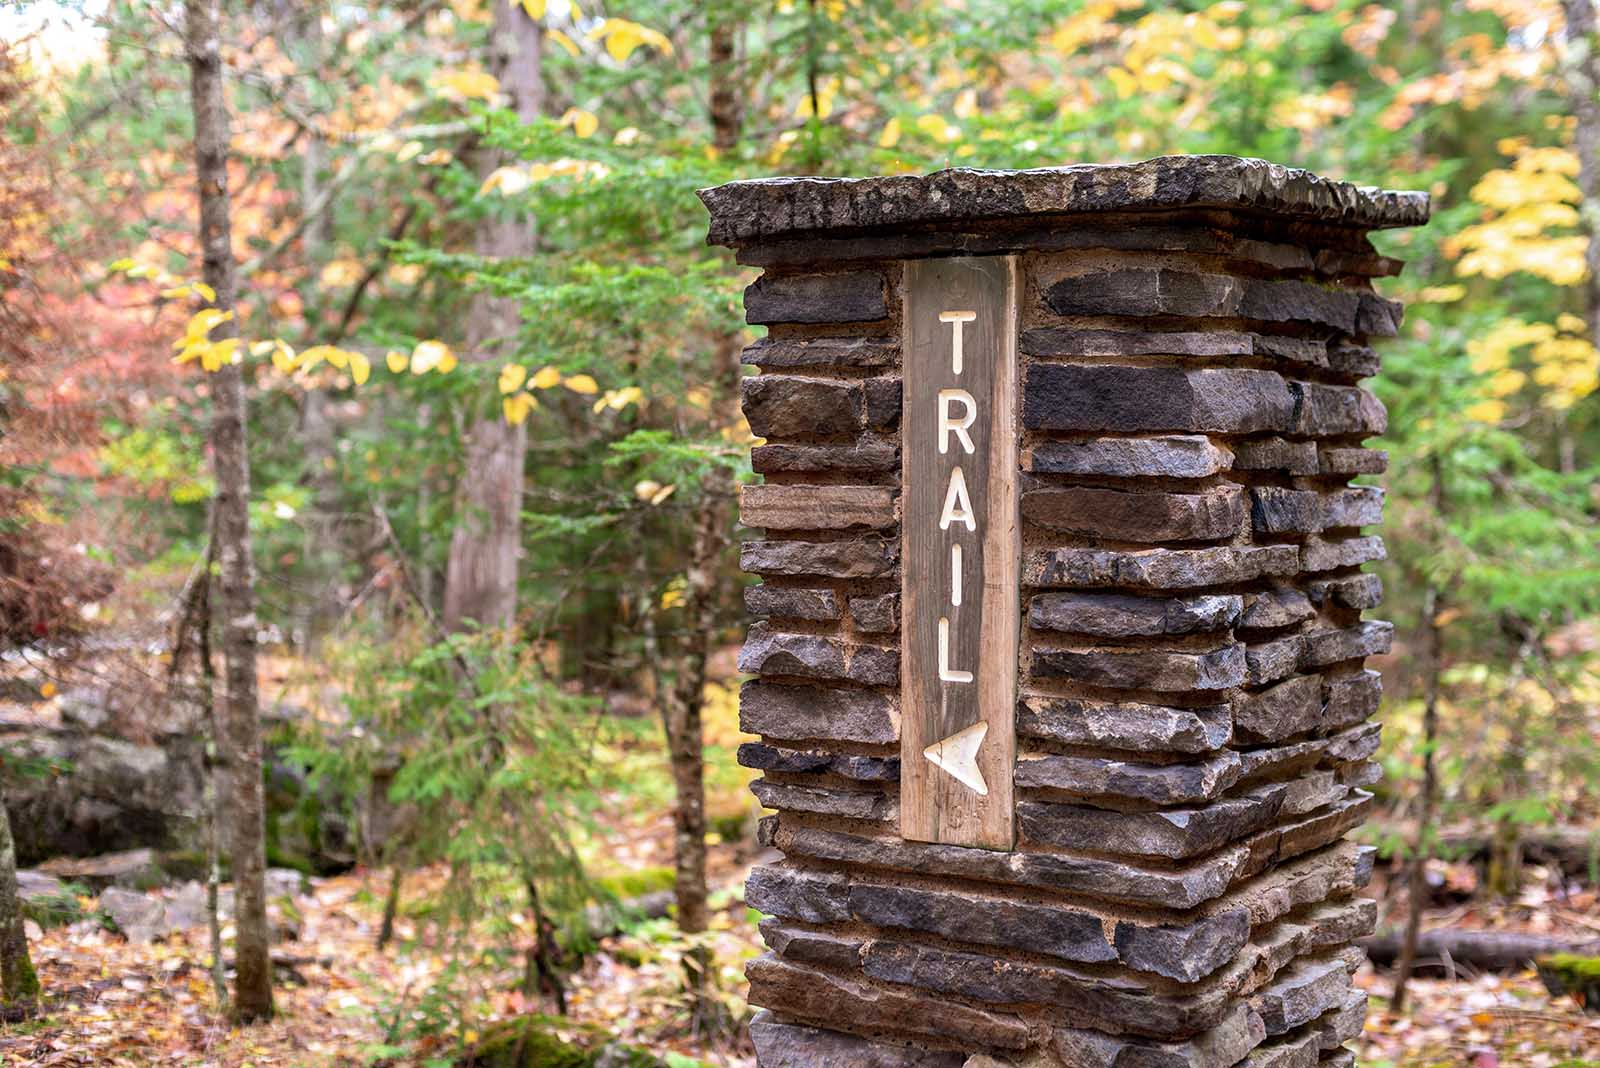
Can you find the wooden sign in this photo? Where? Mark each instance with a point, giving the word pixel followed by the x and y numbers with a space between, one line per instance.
pixel 959 552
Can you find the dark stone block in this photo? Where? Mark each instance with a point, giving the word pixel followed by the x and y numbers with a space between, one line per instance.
pixel 790 406
pixel 855 805
pixel 867 353
pixel 1353 698
pixel 785 1045
pixel 1357 506
pixel 1165 291
pixel 866 454
pixel 1357 592
pixel 1186 952
pixel 1279 712
pixel 1277 659
pixel 1161 784
pixel 804 506
pixel 1275 510
pixel 1144 669
pixel 817 995
pixel 1125 725
pixel 1378 317
pixel 1079 999
pixel 1176 834
pixel 876 615
pixel 1101 397
pixel 1350 552
pixel 1282 606
pixel 1324 647
pixel 798 945
pixel 1326 411
pixel 1169 456
pixel 801 712
pixel 884 398
pixel 1150 516
pixel 772 652
pixel 1357 361
pixel 843 297
pixel 1099 877
pixel 1157 569
pixel 789 602
pixel 1222 1046
pixel 872 557
pixel 1276 454
pixel 1342 461
pixel 1117 615
pixel 765 757
pixel 1300 995
pixel 796 894
pixel 1077 341
pixel 964 917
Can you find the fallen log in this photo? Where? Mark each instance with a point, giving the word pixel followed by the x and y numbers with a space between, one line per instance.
pixel 1484 951
pixel 1574 850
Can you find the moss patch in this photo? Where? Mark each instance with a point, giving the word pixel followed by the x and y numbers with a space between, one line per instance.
pixel 530 1042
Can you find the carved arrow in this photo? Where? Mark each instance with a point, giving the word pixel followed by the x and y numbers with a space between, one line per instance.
pixel 958 755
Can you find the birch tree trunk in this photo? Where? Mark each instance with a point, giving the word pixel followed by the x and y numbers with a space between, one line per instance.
pixel 19 984
pixel 240 748
pixel 481 571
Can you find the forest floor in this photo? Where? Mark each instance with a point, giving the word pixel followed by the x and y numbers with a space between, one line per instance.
pixel 112 1004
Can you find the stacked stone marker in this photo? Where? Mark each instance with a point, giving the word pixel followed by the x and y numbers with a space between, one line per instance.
pixel 1192 728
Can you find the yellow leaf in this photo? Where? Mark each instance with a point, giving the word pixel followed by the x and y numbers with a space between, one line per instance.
pixel 447 362
pixel 626 136
pixel 205 291
pixel 437 156
pixel 116 266
pixel 360 368
pixel 466 84
pixel 509 181
pixel 534 8
pixel 966 105
pixel 517 406
pixel 583 123
pixel 937 128
pixel 890 135
pixel 47 690
pixel 661 494
pixel 283 357
pixel 397 361
pixel 429 355
pixel 671 597
pixel 546 378
pixel 581 384
pixel 646 488
pixel 564 41
pixel 408 150
pixel 512 375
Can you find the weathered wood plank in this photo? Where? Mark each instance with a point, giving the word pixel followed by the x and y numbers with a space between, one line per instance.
pixel 960 551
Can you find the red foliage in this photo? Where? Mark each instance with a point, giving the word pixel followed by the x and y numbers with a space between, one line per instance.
pixel 43 579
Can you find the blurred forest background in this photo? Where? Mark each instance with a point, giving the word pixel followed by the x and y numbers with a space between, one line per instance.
pixel 490 375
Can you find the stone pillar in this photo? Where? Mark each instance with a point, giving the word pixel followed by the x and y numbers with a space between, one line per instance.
pixel 1063 757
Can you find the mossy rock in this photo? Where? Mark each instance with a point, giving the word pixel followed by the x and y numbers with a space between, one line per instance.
pixel 634 884
pixel 1573 974
pixel 530 1042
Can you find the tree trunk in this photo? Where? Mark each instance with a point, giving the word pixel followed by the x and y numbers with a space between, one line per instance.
pixel 19 984
pixel 241 734
pixel 317 602
pixel 481 571
pixel 683 702
pixel 1417 889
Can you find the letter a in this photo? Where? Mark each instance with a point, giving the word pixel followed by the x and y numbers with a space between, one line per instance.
pixel 958 426
pixel 957 505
